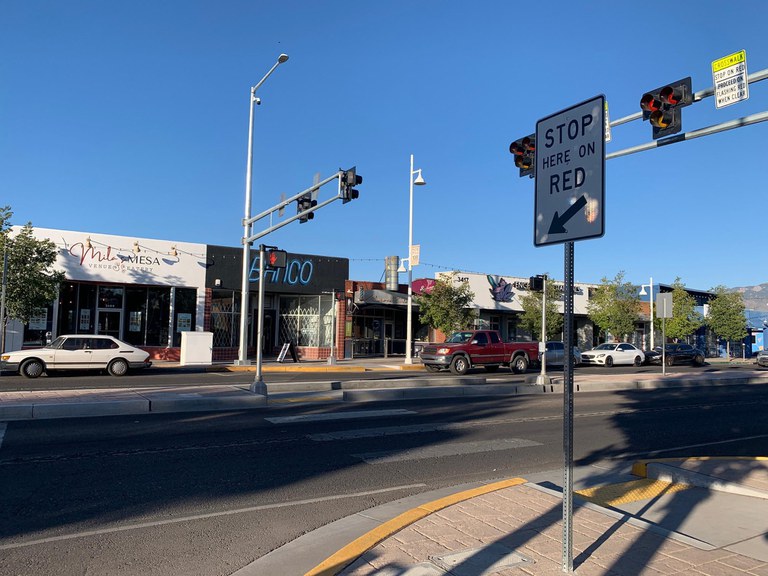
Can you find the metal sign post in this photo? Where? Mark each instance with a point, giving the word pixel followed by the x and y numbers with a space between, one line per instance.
pixel 570 193
pixel 568 410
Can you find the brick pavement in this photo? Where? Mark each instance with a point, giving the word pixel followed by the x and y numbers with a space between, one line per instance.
pixel 528 521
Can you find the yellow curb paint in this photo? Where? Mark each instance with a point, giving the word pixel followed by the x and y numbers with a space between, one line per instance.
pixel 632 491
pixel 349 553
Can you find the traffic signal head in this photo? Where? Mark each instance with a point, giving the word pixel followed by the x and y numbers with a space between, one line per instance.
pixel 536 283
pixel 276 258
pixel 305 203
pixel 349 179
pixel 661 107
pixel 524 152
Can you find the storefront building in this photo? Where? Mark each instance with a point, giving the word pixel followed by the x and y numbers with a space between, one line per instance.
pixel 145 292
pixel 303 303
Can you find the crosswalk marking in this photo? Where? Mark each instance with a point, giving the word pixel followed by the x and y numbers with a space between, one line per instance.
pixel 338 416
pixel 442 450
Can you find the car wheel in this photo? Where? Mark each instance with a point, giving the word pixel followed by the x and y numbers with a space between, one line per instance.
pixel 698 360
pixel 609 361
pixel 32 368
pixel 491 367
pixel 459 365
pixel 519 364
pixel 431 368
pixel 638 361
pixel 670 360
pixel 117 367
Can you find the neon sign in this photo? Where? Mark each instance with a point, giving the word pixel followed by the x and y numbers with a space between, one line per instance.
pixel 295 272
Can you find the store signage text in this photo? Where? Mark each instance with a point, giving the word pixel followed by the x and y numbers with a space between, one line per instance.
pixel 93 258
pixel 295 272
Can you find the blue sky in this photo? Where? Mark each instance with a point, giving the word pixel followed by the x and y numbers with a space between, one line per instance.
pixel 131 118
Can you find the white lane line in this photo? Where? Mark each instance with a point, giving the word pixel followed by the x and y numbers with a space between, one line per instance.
pixel 205 516
pixel 443 450
pixel 3 426
pixel 386 431
pixel 339 416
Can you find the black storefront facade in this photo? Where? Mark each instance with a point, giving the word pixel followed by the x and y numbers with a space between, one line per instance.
pixel 299 303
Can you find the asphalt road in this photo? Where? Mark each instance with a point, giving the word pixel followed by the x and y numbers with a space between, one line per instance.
pixel 162 377
pixel 207 493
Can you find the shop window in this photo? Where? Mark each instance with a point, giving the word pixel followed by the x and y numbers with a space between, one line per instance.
pixel 134 321
pixel 305 320
pixel 225 319
pixel 86 309
pixel 38 327
pixel 158 312
pixel 67 321
pixel 184 311
pixel 111 297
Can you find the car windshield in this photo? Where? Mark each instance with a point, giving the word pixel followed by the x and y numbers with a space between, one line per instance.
pixel 459 337
pixel 606 347
pixel 56 343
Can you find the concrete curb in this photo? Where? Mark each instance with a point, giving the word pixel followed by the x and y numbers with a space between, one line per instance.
pixel 659 469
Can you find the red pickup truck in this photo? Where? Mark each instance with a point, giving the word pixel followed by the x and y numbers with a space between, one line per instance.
pixel 464 350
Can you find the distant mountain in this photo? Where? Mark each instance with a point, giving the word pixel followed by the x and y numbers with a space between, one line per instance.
pixel 755 297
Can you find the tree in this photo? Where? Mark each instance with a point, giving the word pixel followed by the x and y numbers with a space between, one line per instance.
pixel 531 317
pixel 726 316
pixel 615 306
pixel 31 282
pixel 685 320
pixel 446 306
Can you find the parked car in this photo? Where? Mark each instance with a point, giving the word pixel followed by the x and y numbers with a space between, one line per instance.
pixel 77 352
pixel 678 354
pixel 555 354
pixel 612 353
pixel 465 350
pixel 762 358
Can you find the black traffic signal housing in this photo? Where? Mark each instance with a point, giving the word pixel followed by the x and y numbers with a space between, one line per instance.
pixel 275 258
pixel 662 107
pixel 305 203
pixel 536 283
pixel 349 179
pixel 524 152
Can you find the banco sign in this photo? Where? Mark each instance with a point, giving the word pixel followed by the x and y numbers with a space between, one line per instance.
pixel 570 167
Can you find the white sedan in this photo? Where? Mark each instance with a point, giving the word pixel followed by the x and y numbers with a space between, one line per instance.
pixel 614 353
pixel 76 352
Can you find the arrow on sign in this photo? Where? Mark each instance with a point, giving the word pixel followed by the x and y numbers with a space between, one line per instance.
pixel 557 226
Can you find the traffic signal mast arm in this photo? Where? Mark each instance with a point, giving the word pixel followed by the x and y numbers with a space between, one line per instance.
pixel 338 176
pixel 697 96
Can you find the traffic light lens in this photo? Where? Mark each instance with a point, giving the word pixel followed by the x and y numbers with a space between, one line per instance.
pixel 649 103
pixel 661 119
pixel 670 95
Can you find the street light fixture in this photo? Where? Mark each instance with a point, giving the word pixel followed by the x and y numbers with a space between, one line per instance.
pixel 644 293
pixel 418 181
pixel 245 296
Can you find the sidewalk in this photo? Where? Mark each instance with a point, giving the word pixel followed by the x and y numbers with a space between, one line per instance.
pixel 711 520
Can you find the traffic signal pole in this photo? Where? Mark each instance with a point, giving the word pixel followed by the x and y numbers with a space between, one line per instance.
pixel 722 127
pixel 342 193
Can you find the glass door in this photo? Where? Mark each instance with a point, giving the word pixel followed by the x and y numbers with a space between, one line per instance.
pixel 108 322
pixel 109 311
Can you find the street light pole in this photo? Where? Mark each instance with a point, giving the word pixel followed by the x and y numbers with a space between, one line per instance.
pixel 419 181
pixel 245 296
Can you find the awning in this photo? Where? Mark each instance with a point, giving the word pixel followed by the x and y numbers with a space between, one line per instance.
pixel 381 297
